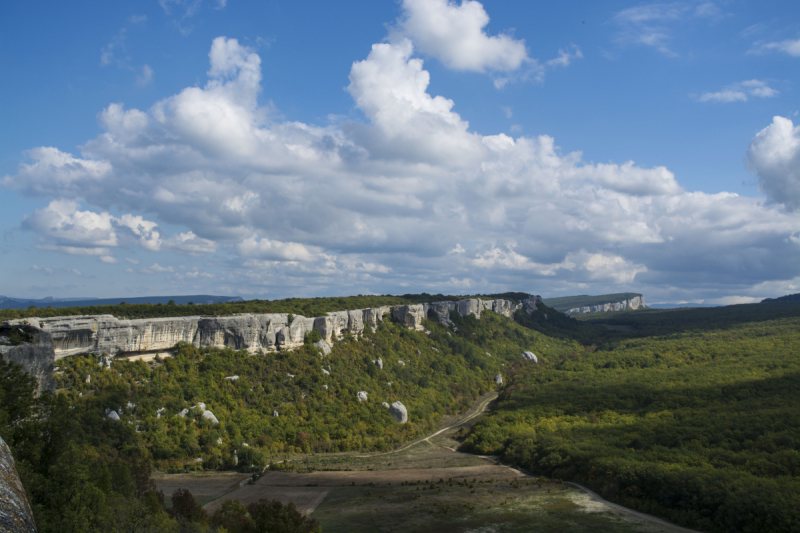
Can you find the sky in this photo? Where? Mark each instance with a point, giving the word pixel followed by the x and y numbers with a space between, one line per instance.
pixel 276 149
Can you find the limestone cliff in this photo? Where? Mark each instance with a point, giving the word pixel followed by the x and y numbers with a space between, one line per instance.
pixel 633 303
pixel 35 353
pixel 106 334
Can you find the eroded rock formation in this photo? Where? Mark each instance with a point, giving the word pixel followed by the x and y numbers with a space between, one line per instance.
pixel 105 334
pixel 35 354
pixel 633 303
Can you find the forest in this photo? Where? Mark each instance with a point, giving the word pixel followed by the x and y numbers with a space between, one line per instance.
pixel 687 414
pixel 694 417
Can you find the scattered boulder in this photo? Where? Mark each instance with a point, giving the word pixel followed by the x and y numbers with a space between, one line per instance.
pixel 88 379
pixel 362 396
pixel 130 406
pixel 159 411
pixel 183 412
pixel 112 415
pixel 219 440
pixel 325 387
pixel 275 413
pixel 399 412
pixel 326 372
pixel 231 378
pixel 379 363
pixel 487 353
pixel 104 362
pixel 419 353
pixel 208 415
pixel 324 347
pixel 386 405
pixel 498 379
pixel 401 363
pixel 530 356
pixel 434 349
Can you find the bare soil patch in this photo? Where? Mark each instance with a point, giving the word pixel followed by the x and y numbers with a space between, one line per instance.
pixel 204 487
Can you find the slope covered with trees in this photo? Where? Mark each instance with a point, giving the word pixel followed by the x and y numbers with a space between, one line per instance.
pixel 697 421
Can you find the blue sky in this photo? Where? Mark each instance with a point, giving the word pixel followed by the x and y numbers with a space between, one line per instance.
pixel 273 149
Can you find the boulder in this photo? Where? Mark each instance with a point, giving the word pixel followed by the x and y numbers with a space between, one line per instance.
pixel 325 387
pixel 386 405
pixel 498 379
pixel 362 396
pixel 530 356
pixel 88 379
pixel 401 363
pixel 231 378
pixel 183 412
pixel 399 412
pixel 208 415
pixel 15 512
pixel 275 413
pixel 326 372
pixel 379 363
pixel 112 415
pixel 323 346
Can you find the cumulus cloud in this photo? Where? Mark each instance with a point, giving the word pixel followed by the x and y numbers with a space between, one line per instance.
pixel 62 226
pixel 789 46
pixel 156 268
pixel 774 156
pixel 738 92
pixel 454 33
pixel 379 205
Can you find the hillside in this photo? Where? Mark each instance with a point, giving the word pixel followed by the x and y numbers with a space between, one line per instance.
pixel 787 298
pixel 693 415
pixel 566 303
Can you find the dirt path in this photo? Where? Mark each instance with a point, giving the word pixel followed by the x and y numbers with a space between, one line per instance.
pixel 473 413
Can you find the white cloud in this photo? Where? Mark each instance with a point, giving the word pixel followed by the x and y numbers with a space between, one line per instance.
pixel 157 268
pixel 276 250
pixel 137 19
pixel 654 24
pixel 774 156
pixel 738 92
pixel 62 226
pixel 132 261
pixel 109 259
pixel 289 207
pixel 145 76
pixel 454 34
pixel 45 269
pixel 789 46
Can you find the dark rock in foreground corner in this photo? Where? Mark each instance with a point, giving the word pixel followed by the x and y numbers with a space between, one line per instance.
pixel 15 513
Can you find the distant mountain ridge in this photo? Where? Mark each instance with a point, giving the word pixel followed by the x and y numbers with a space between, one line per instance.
pixel 787 298
pixel 7 302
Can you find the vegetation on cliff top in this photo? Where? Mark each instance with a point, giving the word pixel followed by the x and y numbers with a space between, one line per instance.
pixel 309 307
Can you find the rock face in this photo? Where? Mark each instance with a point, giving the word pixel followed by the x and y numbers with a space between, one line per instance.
pixel 399 412
pixel 633 303
pixel 36 357
pixel 530 356
pixel 529 304
pixel 324 346
pixel 15 513
pixel 105 334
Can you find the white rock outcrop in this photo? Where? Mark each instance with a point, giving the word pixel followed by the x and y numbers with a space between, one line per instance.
pixel 362 396
pixel 105 334
pixel 633 303
pixel 323 346
pixel 384 404
pixel 208 415
pixel 498 379
pixel 378 363
pixel 530 356
pixel 399 412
